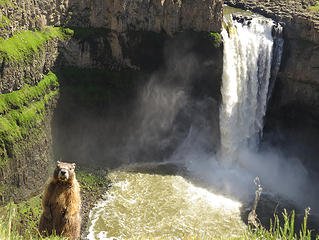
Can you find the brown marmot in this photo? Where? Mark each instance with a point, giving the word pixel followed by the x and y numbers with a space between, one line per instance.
pixel 61 204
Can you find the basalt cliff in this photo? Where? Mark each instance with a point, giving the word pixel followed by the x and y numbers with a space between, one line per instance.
pixel 39 38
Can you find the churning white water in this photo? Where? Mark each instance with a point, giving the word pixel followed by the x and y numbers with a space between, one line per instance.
pixel 155 206
pixel 251 60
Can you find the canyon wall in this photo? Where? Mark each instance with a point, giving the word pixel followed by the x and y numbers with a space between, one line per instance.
pixel 34 44
pixel 115 21
pixel 29 49
pixel 29 91
pixel 169 16
pixel 17 15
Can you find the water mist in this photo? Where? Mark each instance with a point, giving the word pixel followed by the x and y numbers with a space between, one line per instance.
pixel 252 54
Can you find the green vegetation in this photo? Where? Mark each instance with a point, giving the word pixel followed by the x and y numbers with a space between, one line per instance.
pixel 4 21
pixel 91 182
pixel 22 46
pixel 315 7
pixel 5 2
pixel 20 98
pixel 285 231
pixel 216 38
pixel 20 221
pixel 16 123
pixel 23 110
pixel 227 10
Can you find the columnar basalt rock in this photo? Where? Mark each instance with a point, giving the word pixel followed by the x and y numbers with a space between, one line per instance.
pixel 14 74
pixel 28 95
pixel 25 162
pixel 120 17
pixel 169 16
pixel 17 15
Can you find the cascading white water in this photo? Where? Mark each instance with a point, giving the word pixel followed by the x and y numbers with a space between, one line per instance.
pixel 250 60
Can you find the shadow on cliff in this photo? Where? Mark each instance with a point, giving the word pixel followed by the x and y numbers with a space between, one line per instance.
pixel 107 118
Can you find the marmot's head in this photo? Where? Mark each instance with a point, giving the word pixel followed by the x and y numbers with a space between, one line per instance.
pixel 64 172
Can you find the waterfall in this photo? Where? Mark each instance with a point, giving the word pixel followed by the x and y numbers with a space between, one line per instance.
pixel 252 55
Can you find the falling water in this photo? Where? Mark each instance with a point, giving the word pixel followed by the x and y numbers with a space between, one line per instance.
pixel 251 61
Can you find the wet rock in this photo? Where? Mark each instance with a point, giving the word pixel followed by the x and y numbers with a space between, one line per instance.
pixel 245 20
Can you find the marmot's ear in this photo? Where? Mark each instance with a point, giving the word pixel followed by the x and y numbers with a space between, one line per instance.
pixel 73 165
pixel 58 162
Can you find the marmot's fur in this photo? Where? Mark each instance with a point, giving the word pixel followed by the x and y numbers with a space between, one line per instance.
pixel 61 204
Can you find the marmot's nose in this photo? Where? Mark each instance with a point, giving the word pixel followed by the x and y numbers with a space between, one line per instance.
pixel 63 172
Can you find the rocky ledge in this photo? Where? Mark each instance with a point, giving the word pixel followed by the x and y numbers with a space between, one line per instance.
pixel 148 15
pixel 300 21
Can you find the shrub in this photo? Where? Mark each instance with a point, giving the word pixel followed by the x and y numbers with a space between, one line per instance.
pixel 216 38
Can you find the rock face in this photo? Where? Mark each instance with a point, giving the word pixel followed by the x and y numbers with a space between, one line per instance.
pixel 115 20
pixel 299 20
pixel 17 15
pixel 15 73
pixel 29 91
pixel 25 163
pixel 297 86
pixel 108 35
pixel 28 98
pixel 169 16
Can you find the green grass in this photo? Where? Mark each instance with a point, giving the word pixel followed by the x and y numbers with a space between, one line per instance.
pixel 5 2
pixel 90 181
pixel 22 46
pixel 26 117
pixel 16 124
pixel 20 221
pixel 216 38
pixel 285 231
pixel 4 21
pixel 315 7
pixel 18 99
pixel 22 111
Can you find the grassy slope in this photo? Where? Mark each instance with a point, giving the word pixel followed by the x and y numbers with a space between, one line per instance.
pixel 23 110
pixel 316 7
pixel 25 44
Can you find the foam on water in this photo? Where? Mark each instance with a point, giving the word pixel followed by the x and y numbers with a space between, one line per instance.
pixel 162 207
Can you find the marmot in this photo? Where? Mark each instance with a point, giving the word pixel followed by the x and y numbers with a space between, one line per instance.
pixel 61 204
